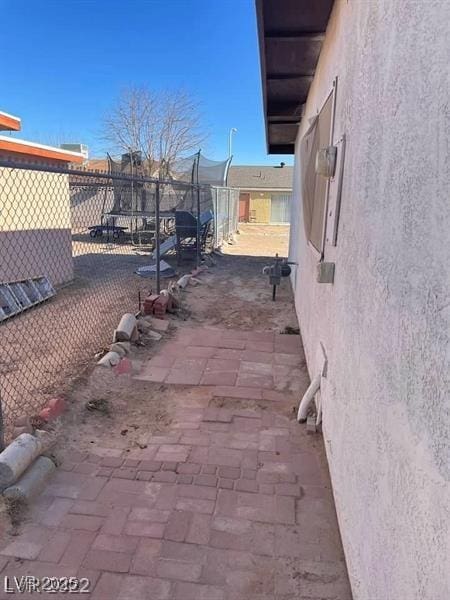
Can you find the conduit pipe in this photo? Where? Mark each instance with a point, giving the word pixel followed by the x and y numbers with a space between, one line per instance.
pixel 313 388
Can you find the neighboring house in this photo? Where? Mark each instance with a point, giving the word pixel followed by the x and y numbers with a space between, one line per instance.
pixel 265 193
pixel 78 148
pixel 372 281
pixel 34 210
pixel 97 164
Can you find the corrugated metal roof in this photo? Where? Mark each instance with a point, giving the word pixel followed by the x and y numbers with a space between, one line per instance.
pixel 256 177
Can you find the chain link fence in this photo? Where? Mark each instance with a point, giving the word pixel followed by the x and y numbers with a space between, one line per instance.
pixel 226 213
pixel 70 245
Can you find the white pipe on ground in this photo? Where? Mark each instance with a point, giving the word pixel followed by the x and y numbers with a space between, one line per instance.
pixel 31 482
pixel 16 457
pixel 313 388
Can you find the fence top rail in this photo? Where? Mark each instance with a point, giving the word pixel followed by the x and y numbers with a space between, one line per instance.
pixel 82 173
pixel 79 175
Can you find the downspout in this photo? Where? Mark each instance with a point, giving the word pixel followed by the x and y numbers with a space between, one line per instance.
pixel 305 402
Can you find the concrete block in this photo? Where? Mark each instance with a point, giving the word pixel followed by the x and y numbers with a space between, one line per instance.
pixel 17 457
pixel 19 430
pixel 154 335
pixel 143 326
pixel 122 348
pixel 46 439
pixel 125 329
pixel 31 482
pixel 158 324
pixel 109 360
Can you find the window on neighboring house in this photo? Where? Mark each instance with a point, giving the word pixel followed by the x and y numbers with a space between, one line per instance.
pixel 314 186
pixel 280 208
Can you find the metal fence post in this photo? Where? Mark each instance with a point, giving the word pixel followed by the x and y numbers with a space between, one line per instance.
pixel 198 237
pixel 157 236
pixel 229 214
pixel 199 250
pixel 2 429
pixel 216 218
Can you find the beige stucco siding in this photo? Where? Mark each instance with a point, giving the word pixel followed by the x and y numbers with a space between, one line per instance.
pixel 385 322
pixel 260 203
pixel 260 207
pixel 35 226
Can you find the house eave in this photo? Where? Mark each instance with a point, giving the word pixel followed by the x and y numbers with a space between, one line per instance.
pixel 9 122
pixel 14 147
pixel 290 34
pixel 264 189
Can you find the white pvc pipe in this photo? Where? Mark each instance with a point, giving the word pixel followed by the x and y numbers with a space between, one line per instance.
pixel 313 388
pixel 16 457
pixel 31 482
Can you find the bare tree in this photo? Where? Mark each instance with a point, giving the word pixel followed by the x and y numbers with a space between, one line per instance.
pixel 163 126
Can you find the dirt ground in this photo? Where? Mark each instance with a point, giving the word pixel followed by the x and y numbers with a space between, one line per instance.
pixel 188 476
pixel 261 240
pixel 234 294
pixel 44 350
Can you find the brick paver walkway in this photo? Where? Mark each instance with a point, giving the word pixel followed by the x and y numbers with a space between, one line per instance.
pixel 232 503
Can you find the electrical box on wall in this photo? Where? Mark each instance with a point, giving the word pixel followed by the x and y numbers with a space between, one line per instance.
pixel 325 272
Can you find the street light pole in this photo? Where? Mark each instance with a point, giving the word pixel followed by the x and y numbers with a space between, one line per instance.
pixel 230 140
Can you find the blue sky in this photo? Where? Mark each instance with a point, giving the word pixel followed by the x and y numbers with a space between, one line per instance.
pixel 63 62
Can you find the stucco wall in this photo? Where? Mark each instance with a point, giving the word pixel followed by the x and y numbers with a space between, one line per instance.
pixel 261 202
pixel 35 226
pixel 385 321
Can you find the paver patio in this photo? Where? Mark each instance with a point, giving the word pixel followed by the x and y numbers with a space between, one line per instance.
pixel 232 503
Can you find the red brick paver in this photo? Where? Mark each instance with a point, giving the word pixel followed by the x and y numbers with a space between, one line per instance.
pixel 232 503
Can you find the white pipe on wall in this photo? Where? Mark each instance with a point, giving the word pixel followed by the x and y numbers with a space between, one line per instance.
pixel 313 388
